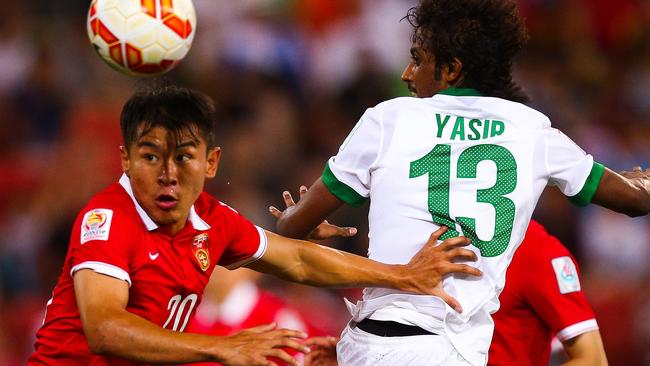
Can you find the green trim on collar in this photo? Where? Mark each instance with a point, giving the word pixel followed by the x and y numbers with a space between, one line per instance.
pixel 341 190
pixel 461 92
pixel 588 191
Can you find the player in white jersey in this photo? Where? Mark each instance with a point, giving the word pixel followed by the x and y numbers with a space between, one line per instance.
pixel 466 154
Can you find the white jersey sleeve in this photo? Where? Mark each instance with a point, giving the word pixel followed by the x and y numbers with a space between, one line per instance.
pixel 572 170
pixel 347 175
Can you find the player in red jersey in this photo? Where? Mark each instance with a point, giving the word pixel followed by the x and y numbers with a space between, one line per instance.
pixel 233 301
pixel 542 298
pixel 142 251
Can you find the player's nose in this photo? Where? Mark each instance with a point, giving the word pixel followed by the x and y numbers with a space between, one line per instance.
pixel 407 74
pixel 168 174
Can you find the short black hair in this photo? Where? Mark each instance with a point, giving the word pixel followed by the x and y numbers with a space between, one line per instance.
pixel 485 35
pixel 171 107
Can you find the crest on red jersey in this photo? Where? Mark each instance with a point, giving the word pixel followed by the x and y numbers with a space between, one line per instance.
pixel 200 250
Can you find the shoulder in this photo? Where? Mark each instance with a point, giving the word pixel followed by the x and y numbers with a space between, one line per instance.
pixel 113 201
pixel 535 116
pixel 529 116
pixel 390 112
pixel 113 195
pixel 399 104
pixel 109 213
pixel 542 256
pixel 541 243
pixel 210 209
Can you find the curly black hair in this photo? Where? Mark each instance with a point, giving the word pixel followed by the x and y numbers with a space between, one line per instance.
pixel 485 35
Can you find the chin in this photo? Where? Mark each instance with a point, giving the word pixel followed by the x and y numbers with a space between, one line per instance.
pixel 166 218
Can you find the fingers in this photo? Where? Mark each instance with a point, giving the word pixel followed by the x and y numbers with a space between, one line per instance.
pixel 261 328
pixel 457 241
pixel 437 234
pixel 350 231
pixel 326 231
pixel 288 200
pixel 448 244
pixel 450 301
pixel 637 169
pixel 323 351
pixel 464 269
pixel 345 231
pixel 320 357
pixel 279 333
pixel 290 343
pixel 459 253
pixel 282 355
pixel 322 341
pixel 290 333
pixel 275 212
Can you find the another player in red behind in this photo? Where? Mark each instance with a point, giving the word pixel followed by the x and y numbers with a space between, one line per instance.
pixel 233 301
pixel 542 299
pixel 143 249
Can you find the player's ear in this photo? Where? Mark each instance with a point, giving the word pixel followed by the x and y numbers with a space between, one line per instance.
pixel 124 157
pixel 453 74
pixel 213 162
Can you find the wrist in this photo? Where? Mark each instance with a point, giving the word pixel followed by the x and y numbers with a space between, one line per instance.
pixel 398 277
pixel 211 348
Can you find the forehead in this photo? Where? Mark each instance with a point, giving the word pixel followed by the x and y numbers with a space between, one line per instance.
pixel 419 39
pixel 147 131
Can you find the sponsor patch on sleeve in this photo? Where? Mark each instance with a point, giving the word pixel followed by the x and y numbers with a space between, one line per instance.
pixel 566 274
pixel 96 225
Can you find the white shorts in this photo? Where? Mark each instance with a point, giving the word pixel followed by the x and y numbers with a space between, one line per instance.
pixel 359 348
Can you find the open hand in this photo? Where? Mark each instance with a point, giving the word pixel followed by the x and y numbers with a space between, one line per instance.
pixel 253 346
pixel 637 172
pixel 323 231
pixel 425 271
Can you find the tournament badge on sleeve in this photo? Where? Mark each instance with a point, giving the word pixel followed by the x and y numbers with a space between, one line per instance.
pixel 200 250
pixel 96 225
pixel 566 274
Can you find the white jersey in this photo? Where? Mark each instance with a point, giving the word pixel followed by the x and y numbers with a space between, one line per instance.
pixel 475 164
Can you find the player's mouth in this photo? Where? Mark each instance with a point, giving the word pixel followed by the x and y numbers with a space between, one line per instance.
pixel 412 89
pixel 166 201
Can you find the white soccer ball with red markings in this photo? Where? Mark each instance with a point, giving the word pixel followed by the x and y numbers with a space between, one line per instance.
pixel 141 37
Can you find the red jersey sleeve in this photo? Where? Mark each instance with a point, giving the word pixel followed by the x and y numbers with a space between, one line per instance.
pixel 102 240
pixel 246 242
pixel 555 293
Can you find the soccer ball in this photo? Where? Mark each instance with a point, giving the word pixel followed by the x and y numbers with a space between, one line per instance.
pixel 141 37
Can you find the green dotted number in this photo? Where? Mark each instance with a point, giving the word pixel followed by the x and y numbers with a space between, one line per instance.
pixel 437 165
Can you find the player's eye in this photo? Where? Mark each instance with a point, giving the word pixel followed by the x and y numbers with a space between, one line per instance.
pixel 150 158
pixel 183 158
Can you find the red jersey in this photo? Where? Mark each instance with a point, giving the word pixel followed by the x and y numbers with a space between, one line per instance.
pixel 542 298
pixel 166 274
pixel 245 307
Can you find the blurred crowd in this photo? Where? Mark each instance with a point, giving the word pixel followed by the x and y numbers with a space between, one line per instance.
pixel 290 79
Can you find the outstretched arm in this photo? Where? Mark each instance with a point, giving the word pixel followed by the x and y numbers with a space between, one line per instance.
pixel 627 192
pixel 112 330
pixel 309 263
pixel 585 350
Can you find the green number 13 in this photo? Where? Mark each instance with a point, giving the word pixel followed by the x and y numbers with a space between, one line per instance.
pixel 437 164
